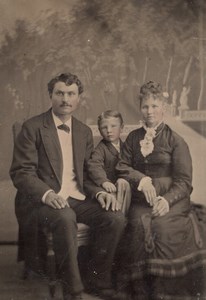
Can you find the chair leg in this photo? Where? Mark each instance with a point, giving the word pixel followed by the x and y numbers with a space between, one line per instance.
pixel 25 273
pixel 51 274
pixel 52 288
pixel 51 265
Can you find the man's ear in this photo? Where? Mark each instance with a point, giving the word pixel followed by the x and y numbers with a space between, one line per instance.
pixel 122 127
pixel 80 98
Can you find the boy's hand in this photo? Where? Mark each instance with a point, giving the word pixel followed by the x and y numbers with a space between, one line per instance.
pixel 123 194
pixel 109 187
pixel 122 187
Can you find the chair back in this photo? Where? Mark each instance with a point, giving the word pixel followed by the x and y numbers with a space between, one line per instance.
pixel 16 128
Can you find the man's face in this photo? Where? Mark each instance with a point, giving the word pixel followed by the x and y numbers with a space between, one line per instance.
pixel 65 99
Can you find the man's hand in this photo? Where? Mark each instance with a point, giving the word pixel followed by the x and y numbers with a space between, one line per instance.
pixel 55 201
pixel 107 200
pixel 161 207
pixel 149 192
pixel 109 187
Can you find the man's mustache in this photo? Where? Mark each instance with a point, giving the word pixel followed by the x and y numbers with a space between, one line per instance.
pixel 65 104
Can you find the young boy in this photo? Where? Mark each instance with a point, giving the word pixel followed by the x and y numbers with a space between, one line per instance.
pixel 101 166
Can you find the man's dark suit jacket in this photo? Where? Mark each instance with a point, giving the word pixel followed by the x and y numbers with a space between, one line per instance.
pixel 37 167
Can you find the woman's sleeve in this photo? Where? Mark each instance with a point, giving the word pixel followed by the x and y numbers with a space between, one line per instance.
pixel 181 186
pixel 162 185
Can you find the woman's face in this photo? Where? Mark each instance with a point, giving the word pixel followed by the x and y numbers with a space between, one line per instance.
pixel 152 111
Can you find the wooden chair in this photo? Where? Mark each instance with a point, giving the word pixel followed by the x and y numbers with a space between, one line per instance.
pixel 82 238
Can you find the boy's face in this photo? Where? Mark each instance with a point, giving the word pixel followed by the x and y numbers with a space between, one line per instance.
pixel 110 129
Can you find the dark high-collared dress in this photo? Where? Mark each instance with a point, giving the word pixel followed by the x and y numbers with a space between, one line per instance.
pixel 166 247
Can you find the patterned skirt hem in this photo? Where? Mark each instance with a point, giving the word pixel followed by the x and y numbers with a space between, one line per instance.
pixel 165 267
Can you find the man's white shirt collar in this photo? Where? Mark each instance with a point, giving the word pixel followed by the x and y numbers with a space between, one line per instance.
pixel 58 122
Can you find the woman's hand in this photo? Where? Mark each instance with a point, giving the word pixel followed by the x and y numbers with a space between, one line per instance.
pixel 161 207
pixel 149 192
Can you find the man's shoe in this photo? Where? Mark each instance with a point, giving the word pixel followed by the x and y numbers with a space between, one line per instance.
pixel 73 297
pixel 68 296
pixel 106 293
pixel 122 296
pixel 77 297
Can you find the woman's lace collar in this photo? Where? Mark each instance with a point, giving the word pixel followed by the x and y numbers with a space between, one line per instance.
pixel 147 145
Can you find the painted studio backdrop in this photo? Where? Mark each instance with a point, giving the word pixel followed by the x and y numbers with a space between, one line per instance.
pixel 113 46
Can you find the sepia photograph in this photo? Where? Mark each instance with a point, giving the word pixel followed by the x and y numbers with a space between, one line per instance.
pixel 102 157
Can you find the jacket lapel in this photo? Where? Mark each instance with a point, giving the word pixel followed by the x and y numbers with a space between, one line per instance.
pixel 52 146
pixel 78 137
pixel 112 149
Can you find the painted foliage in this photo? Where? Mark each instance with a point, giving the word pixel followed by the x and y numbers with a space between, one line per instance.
pixel 113 46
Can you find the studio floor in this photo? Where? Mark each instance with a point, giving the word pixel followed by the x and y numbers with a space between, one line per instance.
pixel 13 287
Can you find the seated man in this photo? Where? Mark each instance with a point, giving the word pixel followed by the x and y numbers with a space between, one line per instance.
pixel 49 172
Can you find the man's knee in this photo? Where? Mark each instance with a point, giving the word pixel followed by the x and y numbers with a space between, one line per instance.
pixel 67 213
pixel 65 217
pixel 116 220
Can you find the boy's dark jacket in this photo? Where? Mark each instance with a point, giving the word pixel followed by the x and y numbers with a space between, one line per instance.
pixel 101 166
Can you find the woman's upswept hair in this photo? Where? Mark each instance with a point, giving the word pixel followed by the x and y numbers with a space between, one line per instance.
pixel 151 88
pixel 68 79
pixel 108 114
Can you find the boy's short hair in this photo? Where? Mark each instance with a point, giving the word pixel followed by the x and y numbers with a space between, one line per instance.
pixel 109 114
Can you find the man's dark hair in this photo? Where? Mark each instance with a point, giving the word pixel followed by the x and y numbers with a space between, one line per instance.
pixel 68 79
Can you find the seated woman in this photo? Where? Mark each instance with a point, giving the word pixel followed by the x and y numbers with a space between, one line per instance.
pixel 163 245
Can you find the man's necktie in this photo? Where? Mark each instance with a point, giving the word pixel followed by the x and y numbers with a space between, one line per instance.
pixel 64 127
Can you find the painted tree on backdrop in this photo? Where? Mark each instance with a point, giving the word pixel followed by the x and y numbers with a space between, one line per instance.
pixel 113 46
pixel 168 33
